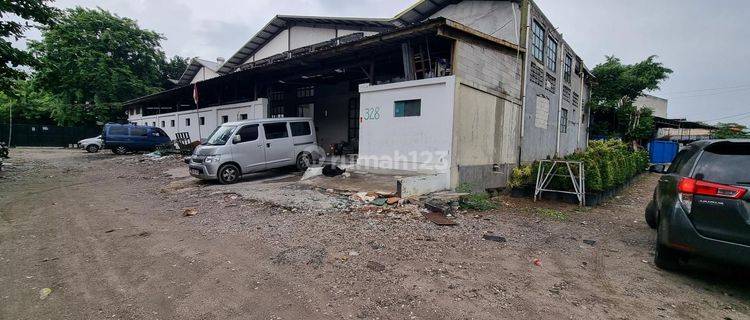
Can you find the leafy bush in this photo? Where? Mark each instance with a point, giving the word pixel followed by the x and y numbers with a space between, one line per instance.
pixel 608 164
pixel 479 201
pixel 521 176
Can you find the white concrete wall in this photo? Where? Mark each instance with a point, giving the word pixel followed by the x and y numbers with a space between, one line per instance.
pixel 277 45
pixel 203 74
pixel 255 110
pixel 420 143
pixel 658 105
pixel 495 18
pixel 305 36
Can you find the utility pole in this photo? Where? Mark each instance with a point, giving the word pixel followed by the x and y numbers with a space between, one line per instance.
pixel 10 124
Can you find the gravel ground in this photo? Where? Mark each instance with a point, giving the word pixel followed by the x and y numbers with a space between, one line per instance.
pixel 107 235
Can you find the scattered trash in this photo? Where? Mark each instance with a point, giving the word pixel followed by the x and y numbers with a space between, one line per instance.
pixel 495 238
pixel 331 170
pixel 439 219
pixel 189 212
pixel 110 231
pixel 375 266
pixel 346 175
pixel 589 242
pixel 436 207
pixel 312 172
pixel 393 200
pixel 353 253
pixel 44 293
pixel 537 262
pixel 379 201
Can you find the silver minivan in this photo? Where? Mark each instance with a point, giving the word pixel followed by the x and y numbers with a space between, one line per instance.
pixel 238 148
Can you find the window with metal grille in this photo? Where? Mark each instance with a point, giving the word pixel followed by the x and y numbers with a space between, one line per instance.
pixel 243 116
pixel 551 84
pixel 537 75
pixel 171 123
pixel 277 112
pixel 564 121
pixel 187 122
pixel 303 92
pixel 567 68
pixel 202 121
pixel 276 95
pixel 224 119
pixel 552 54
pixel 566 93
pixel 537 41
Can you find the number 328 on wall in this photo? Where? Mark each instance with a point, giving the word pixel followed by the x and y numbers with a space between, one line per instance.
pixel 371 114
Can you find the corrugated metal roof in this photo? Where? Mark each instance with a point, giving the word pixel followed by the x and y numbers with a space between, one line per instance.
pixel 280 22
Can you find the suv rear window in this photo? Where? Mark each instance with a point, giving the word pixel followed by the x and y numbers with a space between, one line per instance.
pixel 726 163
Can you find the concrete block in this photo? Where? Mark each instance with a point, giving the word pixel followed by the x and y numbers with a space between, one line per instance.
pixel 423 184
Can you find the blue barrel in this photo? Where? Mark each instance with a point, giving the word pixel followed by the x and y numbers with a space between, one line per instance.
pixel 661 151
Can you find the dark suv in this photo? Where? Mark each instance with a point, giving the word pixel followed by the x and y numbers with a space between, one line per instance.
pixel 701 205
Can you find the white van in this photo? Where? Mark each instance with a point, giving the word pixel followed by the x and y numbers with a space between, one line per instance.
pixel 238 148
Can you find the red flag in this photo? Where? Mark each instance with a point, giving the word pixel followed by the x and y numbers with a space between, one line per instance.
pixel 195 94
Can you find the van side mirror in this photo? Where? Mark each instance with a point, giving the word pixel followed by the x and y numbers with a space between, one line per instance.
pixel 236 138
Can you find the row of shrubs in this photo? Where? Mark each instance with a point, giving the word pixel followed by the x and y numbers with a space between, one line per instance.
pixel 607 163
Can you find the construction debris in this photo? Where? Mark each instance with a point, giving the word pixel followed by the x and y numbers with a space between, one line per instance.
pixel 331 170
pixel 439 219
pixel 495 238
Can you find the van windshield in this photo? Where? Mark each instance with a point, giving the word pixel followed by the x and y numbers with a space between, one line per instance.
pixel 220 136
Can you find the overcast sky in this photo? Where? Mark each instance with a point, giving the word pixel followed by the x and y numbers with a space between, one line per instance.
pixel 704 42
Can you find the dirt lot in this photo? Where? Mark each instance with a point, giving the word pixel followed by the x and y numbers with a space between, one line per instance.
pixel 107 235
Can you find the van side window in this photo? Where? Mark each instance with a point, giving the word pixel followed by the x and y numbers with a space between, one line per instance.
pixel 118 131
pixel 300 128
pixel 138 131
pixel 275 130
pixel 248 133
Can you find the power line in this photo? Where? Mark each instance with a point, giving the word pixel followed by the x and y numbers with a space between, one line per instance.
pixel 727 117
pixel 707 89
pixel 710 94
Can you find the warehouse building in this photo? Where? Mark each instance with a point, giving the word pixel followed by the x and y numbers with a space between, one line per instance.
pixel 461 91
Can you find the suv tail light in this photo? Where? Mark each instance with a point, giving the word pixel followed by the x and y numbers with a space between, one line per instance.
pixel 687 187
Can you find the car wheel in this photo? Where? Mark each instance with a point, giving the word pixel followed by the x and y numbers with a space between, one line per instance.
pixel 651 215
pixel 229 174
pixel 120 150
pixel 92 148
pixel 303 161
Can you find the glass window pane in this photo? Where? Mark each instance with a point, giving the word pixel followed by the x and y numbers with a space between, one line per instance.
pixel 407 108
pixel 275 130
pixel 248 133
pixel 300 128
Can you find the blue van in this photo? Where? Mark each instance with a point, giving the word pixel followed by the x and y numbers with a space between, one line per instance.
pixel 124 138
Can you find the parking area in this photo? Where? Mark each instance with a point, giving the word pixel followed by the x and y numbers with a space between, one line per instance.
pixel 110 237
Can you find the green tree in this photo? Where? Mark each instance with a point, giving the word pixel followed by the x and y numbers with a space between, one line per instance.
pixel 172 69
pixel 29 12
pixel 616 86
pixel 29 105
pixel 94 60
pixel 731 131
